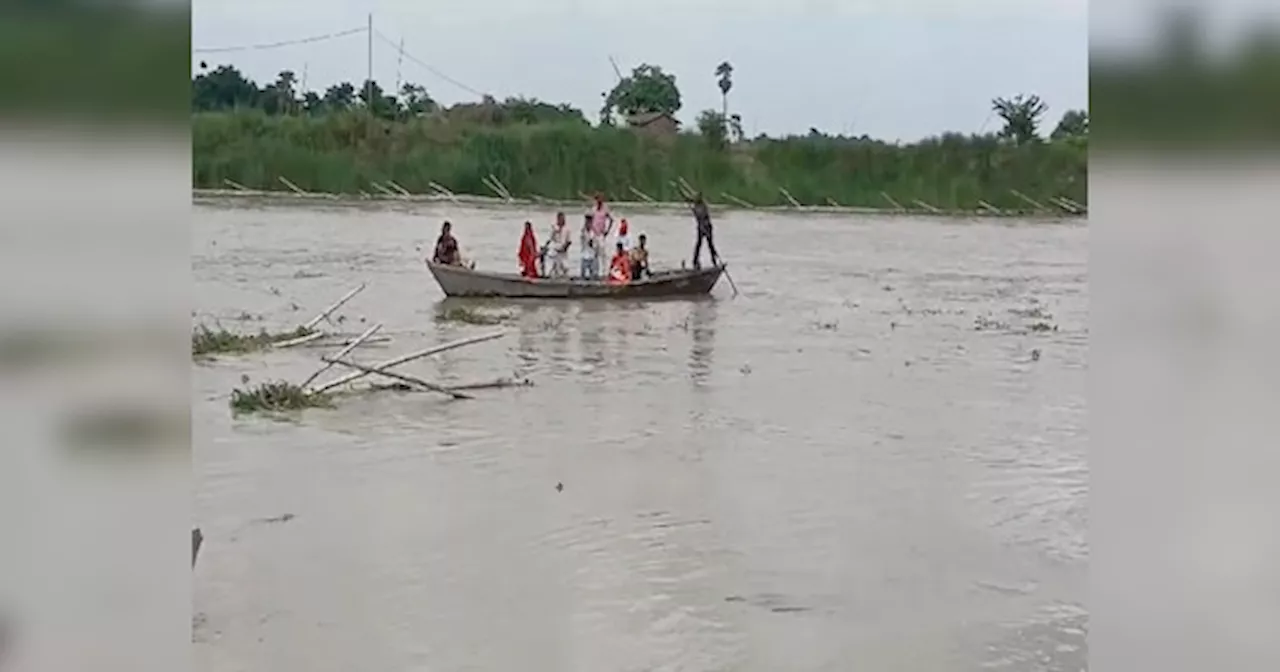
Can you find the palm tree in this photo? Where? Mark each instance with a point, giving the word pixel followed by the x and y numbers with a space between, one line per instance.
pixel 725 72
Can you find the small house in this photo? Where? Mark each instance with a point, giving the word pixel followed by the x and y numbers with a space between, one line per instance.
pixel 660 124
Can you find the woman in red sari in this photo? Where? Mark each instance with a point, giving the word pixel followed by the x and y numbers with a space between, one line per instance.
pixel 528 252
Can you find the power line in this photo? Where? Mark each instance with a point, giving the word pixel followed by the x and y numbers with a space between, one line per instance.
pixel 276 45
pixel 429 68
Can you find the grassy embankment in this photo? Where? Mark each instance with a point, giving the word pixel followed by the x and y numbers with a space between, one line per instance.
pixel 339 154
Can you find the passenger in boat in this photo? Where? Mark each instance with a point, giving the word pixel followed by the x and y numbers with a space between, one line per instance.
pixel 702 216
pixel 623 237
pixel 528 254
pixel 620 267
pixel 640 259
pixel 601 226
pixel 447 247
pixel 590 259
pixel 558 246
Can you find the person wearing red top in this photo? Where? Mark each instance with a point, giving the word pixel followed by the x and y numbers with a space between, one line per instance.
pixel 620 267
pixel 528 252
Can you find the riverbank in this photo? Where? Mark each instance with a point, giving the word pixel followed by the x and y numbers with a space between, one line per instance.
pixel 285 197
pixel 349 156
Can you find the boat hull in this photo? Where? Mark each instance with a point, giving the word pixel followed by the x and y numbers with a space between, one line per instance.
pixel 457 281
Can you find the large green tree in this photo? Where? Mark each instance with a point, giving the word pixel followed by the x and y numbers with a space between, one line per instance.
pixel 646 89
pixel 1021 115
pixel 1074 124
pixel 222 89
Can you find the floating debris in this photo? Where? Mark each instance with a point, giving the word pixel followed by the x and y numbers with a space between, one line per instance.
pixel 983 323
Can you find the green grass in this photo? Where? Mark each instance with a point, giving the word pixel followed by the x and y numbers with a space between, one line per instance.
pixel 339 154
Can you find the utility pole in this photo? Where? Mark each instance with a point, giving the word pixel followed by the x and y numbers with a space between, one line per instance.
pixel 399 65
pixel 368 93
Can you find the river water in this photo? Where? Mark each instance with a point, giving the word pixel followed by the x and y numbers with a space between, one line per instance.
pixel 870 459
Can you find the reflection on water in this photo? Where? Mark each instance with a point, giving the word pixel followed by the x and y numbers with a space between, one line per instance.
pixel 702 315
pixel 835 470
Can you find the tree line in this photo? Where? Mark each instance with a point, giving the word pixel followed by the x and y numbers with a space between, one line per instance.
pixel 647 89
pixel 225 88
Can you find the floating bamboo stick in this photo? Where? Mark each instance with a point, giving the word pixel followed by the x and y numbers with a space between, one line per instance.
pixel 990 208
pixel 1068 205
pixel 892 202
pixel 688 188
pixel 385 191
pixel 737 200
pixel 443 192
pixel 493 187
pixel 295 188
pixel 789 197
pixel 501 383
pixel 408 358
pixel 347 341
pixel 337 304
pixel 299 340
pixel 368 370
pixel 506 193
pixel 1075 204
pixel 343 353
pixel 928 207
pixel 832 202
pixel 235 185
pixel 402 190
pixel 642 195
pixel 1035 204
pixel 686 195
pixel 1062 205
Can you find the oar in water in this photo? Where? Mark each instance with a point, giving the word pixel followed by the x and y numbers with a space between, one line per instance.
pixel 730 279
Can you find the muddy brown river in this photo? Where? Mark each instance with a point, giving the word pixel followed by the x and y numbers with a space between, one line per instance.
pixel 873 458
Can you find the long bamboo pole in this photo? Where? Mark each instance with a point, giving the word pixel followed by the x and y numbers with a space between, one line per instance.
pixel 409 358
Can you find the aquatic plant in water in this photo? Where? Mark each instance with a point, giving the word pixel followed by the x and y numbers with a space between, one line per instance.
pixel 471 316
pixel 206 341
pixel 277 396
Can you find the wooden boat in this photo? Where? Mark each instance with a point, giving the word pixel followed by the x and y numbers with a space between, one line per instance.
pixel 458 281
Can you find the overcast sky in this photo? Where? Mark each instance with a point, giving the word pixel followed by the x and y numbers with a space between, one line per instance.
pixel 894 69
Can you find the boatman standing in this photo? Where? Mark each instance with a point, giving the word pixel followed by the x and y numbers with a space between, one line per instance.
pixel 703 218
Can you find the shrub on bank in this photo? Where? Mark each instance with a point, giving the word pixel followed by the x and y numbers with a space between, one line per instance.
pixel 345 152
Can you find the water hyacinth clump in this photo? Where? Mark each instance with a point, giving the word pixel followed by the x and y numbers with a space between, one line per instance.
pixel 277 396
pixel 471 316
pixel 206 341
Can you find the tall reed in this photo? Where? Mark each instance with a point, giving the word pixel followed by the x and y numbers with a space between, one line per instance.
pixel 343 153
